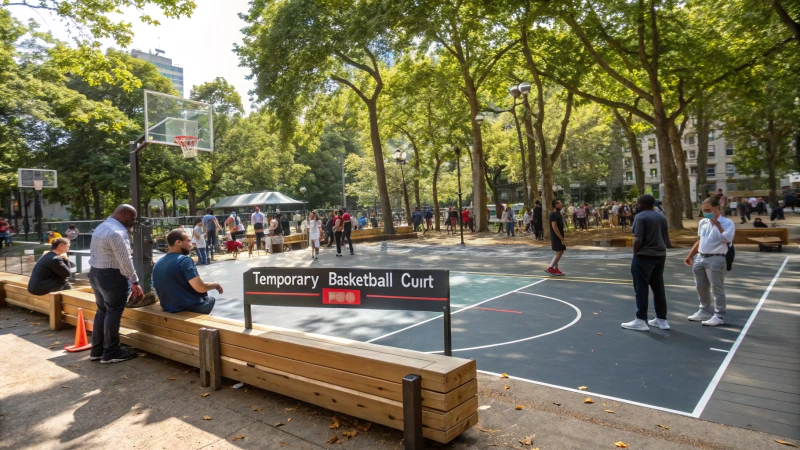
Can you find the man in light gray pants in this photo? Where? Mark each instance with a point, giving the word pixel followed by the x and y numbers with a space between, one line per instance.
pixel 707 260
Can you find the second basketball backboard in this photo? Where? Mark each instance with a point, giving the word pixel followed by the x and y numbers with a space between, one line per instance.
pixel 168 117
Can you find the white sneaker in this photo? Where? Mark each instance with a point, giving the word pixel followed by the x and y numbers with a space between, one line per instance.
pixel 700 316
pixel 660 323
pixel 636 324
pixel 714 321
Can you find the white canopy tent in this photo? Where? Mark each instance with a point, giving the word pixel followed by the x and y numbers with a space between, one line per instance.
pixel 261 199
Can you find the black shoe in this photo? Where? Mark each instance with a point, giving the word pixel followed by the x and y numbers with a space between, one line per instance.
pixel 123 354
pixel 352 253
pixel 95 358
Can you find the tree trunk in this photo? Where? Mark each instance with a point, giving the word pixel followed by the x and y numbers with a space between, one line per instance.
pixel 683 172
pixel 436 213
pixel 633 146
pixel 165 212
pixel 87 213
pixel 772 164
pixel 672 192
pixel 380 171
pixel 405 198
pixel 702 130
pixel 533 167
pixel 192 199
pixel 478 164
pixel 98 211
pixel 416 176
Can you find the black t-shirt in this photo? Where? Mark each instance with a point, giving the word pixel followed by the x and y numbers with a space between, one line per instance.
pixel 453 215
pixel 556 217
pixel 49 274
pixel 537 214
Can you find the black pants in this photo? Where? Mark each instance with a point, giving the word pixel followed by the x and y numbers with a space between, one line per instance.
pixel 648 273
pixel 538 230
pixel 346 235
pixel 111 291
pixel 338 236
pixel 211 243
pixel 259 238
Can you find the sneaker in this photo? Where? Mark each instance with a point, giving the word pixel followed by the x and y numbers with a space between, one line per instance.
pixel 714 321
pixel 95 358
pixel 123 354
pixel 352 253
pixel 636 324
pixel 551 271
pixel 559 273
pixel 338 254
pixel 660 323
pixel 700 316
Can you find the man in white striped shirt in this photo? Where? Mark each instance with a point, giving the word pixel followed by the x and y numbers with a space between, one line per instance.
pixel 112 277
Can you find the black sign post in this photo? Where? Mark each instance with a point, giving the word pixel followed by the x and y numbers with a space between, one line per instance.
pixel 406 290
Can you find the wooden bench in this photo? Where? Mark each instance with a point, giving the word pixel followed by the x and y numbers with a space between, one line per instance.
pixel 14 291
pixel 356 378
pixel 765 243
pixel 744 234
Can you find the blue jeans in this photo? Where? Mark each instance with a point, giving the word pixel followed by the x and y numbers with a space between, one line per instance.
pixel 648 273
pixel 202 256
pixel 509 228
pixel 204 307
pixel 211 242
pixel 111 291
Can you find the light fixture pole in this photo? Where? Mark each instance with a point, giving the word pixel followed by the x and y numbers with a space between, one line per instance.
pixel 460 208
pixel 303 191
pixel 37 208
pixel 401 157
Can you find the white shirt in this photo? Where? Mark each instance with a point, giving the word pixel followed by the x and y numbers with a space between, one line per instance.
pixel 111 249
pixel 753 201
pixel 711 240
pixel 526 219
pixel 199 242
pixel 615 209
pixel 257 217
pixel 313 228
pixel 733 204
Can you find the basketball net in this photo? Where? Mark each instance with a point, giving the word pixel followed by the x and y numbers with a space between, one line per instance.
pixel 188 145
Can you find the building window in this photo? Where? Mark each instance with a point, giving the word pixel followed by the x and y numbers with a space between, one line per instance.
pixel 692 154
pixel 732 187
pixel 693 169
pixel 628 176
pixel 730 170
pixel 651 144
pixel 690 140
pixel 626 150
pixel 712 171
pixel 729 149
pixel 626 162
pixel 712 151
pixel 712 135
pixel 652 159
pixel 503 195
pixel 653 173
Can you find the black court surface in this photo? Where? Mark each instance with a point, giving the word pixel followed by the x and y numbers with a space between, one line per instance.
pixel 562 332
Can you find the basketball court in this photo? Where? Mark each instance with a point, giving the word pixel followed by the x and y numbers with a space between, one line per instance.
pixel 561 332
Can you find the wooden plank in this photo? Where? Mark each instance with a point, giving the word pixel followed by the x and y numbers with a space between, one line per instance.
pixel 374 386
pixel 758 392
pixel 767 363
pixel 762 369
pixel 28 306
pixel 751 423
pixel 454 432
pixel 760 383
pixel 749 372
pixel 23 297
pixel 55 312
pixel 765 240
pixel 752 411
pixel 758 402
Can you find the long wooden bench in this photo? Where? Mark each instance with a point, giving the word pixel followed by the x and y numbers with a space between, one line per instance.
pixel 351 377
pixel 743 234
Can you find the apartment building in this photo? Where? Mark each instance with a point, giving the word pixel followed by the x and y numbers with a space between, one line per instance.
pixel 164 66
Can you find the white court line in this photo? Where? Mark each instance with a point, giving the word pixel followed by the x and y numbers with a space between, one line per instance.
pixel 593 394
pixel 701 405
pixel 455 312
pixel 577 318
pixel 719 350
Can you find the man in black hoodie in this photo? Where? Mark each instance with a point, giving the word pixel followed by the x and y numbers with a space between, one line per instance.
pixel 52 270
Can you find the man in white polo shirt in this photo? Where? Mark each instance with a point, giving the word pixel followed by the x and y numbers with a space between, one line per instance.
pixel 707 260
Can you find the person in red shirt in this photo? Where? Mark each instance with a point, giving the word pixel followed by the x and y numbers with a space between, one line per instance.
pixel 348 228
pixel 465 217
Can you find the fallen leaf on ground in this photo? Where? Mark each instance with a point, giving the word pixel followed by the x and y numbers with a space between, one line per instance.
pixel 333 440
pixel 663 426
pixel 594 313
pixel 288 420
pixel 185 417
pixel 519 407
pixel 279 424
pixel 786 443
pixel 172 379
pixel 621 444
pixel 528 440
pixel 583 388
pixel 557 404
pixel 505 375
pixel 507 387
pixel 206 417
pixel 599 334
pixel 487 431
pixel 205 394
pixel 334 423
pixel 608 411
pixel 350 434
pixel 236 438
pixel 64 387
pixel 256 408
pixel 292 409
pixel 363 427
pixel 588 400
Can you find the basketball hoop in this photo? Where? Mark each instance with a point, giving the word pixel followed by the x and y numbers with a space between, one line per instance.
pixel 188 145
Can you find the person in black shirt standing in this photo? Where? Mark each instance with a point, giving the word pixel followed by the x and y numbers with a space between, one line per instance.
pixel 538 229
pixel 557 241
pixel 52 270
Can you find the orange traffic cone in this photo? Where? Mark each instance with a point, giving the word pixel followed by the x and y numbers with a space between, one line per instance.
pixel 81 342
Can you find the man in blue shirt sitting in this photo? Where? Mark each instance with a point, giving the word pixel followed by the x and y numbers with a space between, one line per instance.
pixel 176 280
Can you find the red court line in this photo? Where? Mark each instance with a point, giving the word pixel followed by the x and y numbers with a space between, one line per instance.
pixel 296 294
pixel 436 299
pixel 500 310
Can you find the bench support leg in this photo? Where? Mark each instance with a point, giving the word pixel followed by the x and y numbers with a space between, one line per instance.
pixel 412 413
pixel 55 312
pixel 210 363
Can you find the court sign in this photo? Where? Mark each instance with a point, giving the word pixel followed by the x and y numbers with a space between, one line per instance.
pixel 405 290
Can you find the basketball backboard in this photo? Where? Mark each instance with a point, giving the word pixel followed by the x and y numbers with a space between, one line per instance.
pixel 167 117
pixel 28 178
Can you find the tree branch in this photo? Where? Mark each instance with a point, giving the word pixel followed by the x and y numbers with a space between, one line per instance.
pixel 353 63
pixel 493 61
pixel 792 24
pixel 351 86
pixel 563 133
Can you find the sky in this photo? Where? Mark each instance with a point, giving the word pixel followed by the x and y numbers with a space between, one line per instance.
pixel 202 44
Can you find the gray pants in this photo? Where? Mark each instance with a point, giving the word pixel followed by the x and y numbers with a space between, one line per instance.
pixel 709 276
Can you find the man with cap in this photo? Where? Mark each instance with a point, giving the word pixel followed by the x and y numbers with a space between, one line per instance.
pixel 257 219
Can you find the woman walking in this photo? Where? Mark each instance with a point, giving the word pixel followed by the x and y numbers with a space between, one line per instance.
pixel 314 230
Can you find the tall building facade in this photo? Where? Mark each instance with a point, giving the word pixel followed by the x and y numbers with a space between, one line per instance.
pixel 164 66
pixel 721 171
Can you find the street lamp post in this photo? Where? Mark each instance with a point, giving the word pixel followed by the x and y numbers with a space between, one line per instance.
pixel 303 191
pixel 401 157
pixel 37 208
pixel 460 208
